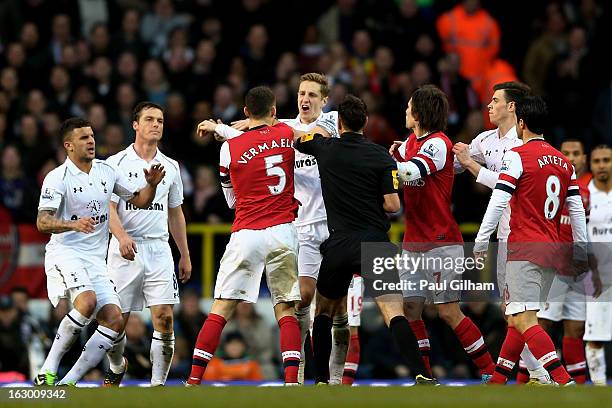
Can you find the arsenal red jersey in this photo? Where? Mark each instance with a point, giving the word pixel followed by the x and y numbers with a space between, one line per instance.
pixel 539 178
pixel 258 165
pixel 565 230
pixel 427 200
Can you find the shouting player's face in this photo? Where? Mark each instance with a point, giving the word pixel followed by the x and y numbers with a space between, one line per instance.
pixel 150 125
pixel 498 108
pixel 81 146
pixel 601 164
pixel 310 101
pixel 575 154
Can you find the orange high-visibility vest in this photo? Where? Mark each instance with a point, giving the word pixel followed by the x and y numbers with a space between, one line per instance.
pixel 474 37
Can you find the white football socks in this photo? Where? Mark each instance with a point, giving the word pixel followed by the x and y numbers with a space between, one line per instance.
pixel 115 355
pixel 69 329
pixel 596 360
pixel 340 341
pixel 162 350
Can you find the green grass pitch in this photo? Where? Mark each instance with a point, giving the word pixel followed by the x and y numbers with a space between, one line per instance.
pixel 323 397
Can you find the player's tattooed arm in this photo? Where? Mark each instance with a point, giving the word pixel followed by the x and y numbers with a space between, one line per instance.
pixel 46 222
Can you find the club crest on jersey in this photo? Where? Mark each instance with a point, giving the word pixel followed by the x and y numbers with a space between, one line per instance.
pixel 431 150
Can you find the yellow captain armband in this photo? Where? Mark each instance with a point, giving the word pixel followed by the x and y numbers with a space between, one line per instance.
pixel 307 137
pixel 395 179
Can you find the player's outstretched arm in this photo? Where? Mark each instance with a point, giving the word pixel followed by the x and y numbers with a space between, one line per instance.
pixel 47 223
pixel 145 197
pixel 178 229
pixel 127 246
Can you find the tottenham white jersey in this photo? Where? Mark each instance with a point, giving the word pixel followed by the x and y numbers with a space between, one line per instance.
pixel 488 149
pixel 307 179
pixel 600 231
pixel 75 194
pixel 152 222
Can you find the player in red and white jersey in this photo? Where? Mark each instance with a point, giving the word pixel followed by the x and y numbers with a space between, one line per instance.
pixel 599 303
pixel 569 303
pixel 311 221
pixel 257 179
pixel 483 158
pixel 535 180
pixel 425 165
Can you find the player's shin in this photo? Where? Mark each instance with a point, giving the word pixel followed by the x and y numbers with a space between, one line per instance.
pixel 162 351
pixel 67 332
pixel 206 344
pixel 290 347
pixel 596 360
pixel 471 339
pixel 115 355
pixel 544 350
pixel 340 343
pixel 96 347
pixel 420 332
pixel 303 317
pixel 575 360
pixel 533 367
pixel 322 344
pixel 408 346
pixel 352 360
pixel 508 356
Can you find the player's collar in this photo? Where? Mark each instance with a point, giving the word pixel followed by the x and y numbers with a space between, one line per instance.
pixel 132 155
pixel 510 134
pixel 74 170
pixel 541 139
pixel 423 136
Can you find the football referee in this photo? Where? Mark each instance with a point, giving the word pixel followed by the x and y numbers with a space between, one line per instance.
pixel 359 184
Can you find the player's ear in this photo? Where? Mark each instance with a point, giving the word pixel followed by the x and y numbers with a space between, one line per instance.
pixel 365 125
pixel 324 100
pixel 511 106
pixel 246 111
pixel 135 125
pixel 273 111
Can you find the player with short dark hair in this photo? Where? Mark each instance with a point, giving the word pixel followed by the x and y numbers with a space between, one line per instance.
pixel 535 180
pixel 256 171
pixel 139 257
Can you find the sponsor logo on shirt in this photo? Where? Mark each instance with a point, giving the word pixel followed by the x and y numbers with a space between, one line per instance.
pixel 152 207
pixel 311 161
pixel 415 183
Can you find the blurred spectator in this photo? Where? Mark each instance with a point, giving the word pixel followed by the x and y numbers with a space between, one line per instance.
pixel 256 56
pixel 60 91
pixel 543 51
pixel 96 115
pixel 461 97
pixel 257 335
pixel 154 82
pixel 469 31
pixel 128 39
pixel 225 107
pixel 99 39
pixel 125 101
pixel 310 50
pixel 34 148
pixel 60 36
pixel 101 79
pixel 111 142
pixel 137 348
pixel 127 68
pixel 13 347
pixel 208 203
pixel 339 22
pixel 378 129
pixel 190 317
pixel 362 52
pixel 178 57
pixel 233 363
pixel 156 26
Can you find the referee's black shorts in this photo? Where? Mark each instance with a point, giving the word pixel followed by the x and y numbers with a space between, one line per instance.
pixel 342 259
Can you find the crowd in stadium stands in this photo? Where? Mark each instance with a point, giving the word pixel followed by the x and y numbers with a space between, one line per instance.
pixel 196 58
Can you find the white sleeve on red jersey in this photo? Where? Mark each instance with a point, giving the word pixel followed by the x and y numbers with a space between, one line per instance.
pixel 430 158
pixel 226 183
pixel 512 168
pixel 226 131
pixel 399 154
pixel 577 215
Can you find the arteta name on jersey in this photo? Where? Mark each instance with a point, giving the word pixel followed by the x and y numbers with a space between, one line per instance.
pixel 550 159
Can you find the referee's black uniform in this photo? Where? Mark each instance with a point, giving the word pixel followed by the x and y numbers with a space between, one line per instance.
pixel 355 175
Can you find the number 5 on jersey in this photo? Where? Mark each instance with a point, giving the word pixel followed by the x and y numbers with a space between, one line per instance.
pixel 273 170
